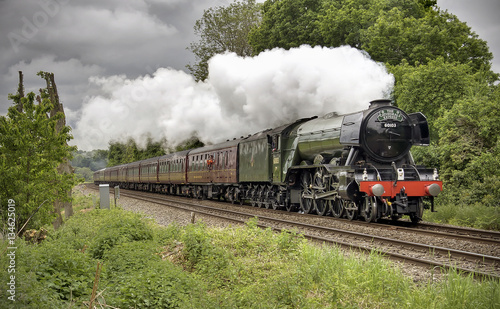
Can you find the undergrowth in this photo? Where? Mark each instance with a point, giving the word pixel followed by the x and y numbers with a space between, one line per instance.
pixel 147 266
pixel 476 216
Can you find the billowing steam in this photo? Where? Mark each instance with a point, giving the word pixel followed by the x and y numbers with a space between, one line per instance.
pixel 241 96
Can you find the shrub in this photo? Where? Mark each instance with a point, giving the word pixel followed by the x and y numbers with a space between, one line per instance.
pixel 137 277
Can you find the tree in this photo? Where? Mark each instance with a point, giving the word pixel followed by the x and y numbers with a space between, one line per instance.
pixel 30 151
pixel 190 143
pixel 395 37
pixel 343 22
pixel 391 31
pixel 64 167
pixel 116 152
pixel 121 153
pixel 223 29
pixel 431 88
pixel 287 24
pixel 469 148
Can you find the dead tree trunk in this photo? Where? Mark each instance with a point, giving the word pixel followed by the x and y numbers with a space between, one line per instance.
pixel 20 93
pixel 65 167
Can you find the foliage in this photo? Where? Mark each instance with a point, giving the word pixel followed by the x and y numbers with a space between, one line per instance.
pixel 190 143
pixel 68 273
pixel 121 153
pixel 30 291
pixel 389 30
pixel 93 160
pixel 432 88
pixel 200 267
pixel 128 229
pixel 475 215
pixel 287 24
pixel 138 277
pixel 470 148
pixel 85 173
pixel 30 152
pixel 395 37
pixel 344 22
pixel 223 29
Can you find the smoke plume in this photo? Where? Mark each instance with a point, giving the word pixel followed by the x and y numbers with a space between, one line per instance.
pixel 241 96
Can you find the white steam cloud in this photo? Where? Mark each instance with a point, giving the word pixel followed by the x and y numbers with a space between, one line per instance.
pixel 241 96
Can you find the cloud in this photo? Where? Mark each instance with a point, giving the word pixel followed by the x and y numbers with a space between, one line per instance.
pixel 76 40
pixel 71 77
pixel 240 97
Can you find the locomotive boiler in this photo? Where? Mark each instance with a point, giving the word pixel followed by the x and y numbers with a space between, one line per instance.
pixel 354 165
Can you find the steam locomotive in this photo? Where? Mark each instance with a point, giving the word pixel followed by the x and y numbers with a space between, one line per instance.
pixel 354 165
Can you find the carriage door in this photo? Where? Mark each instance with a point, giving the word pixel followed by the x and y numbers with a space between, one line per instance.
pixel 276 155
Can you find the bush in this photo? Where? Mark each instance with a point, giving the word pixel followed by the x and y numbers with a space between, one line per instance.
pixel 137 277
pixel 127 229
pixel 475 215
pixel 67 272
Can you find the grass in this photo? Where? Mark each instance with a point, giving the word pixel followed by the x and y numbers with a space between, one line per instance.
pixel 148 266
pixel 476 216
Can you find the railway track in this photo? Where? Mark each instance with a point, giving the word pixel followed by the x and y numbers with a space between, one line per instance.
pixel 430 255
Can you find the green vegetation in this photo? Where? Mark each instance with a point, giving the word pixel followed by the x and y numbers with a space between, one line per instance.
pixel 33 144
pixel 147 266
pixel 121 153
pixel 223 29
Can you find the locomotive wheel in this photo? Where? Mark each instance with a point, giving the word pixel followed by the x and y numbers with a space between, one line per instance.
pixel 395 218
pixel 306 203
pixel 337 207
pixel 199 192
pixel 265 198
pixel 254 195
pixel 351 210
pixel 415 217
pixel 230 195
pixel 370 209
pixel 276 205
pixel 320 205
pixel 260 197
pixel 290 207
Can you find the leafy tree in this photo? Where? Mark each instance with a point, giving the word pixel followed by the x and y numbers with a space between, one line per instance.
pixel 31 149
pixel 391 31
pixel 470 146
pixel 85 172
pixel 432 88
pixel 121 153
pixel 342 22
pixel 395 37
pixel 287 24
pixel 116 153
pixel 190 143
pixel 223 29
pixel 153 149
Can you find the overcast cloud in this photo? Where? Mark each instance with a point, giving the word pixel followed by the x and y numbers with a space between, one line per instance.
pixel 104 52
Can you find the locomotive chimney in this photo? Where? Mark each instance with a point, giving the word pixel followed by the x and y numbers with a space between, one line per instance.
pixel 379 103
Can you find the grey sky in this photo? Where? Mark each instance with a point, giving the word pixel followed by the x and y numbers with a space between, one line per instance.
pixel 82 40
pixel 483 18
